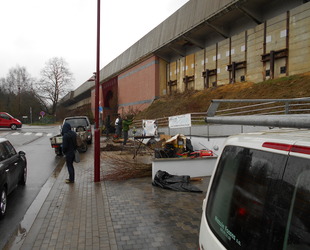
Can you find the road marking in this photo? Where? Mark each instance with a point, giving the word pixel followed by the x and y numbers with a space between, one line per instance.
pixel 28 133
pixel 16 133
pixel 50 134
pixel 39 134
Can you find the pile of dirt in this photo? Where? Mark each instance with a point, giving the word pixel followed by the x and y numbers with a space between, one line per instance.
pixel 198 101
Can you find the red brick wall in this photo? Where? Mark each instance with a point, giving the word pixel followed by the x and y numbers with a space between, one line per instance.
pixel 138 86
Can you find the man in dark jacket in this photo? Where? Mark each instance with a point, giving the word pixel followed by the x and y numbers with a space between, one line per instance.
pixel 68 148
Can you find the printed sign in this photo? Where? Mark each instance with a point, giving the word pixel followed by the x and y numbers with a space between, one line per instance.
pixel 149 127
pixel 180 121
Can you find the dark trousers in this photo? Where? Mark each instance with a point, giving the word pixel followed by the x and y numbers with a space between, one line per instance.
pixel 69 161
pixel 125 137
pixel 118 131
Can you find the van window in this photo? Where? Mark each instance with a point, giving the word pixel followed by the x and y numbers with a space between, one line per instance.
pixel 240 209
pixel 297 180
pixel 4 116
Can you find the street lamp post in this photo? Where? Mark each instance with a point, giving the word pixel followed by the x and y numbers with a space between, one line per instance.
pixel 97 131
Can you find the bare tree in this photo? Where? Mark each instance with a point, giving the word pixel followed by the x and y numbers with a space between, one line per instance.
pixel 17 95
pixel 17 80
pixel 55 83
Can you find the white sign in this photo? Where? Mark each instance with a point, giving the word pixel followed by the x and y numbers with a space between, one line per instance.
pixel 149 127
pixel 180 121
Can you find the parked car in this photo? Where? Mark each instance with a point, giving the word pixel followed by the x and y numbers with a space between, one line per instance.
pixel 13 171
pixel 80 124
pixel 259 193
pixel 8 121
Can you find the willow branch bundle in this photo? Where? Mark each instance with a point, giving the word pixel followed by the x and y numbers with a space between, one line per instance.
pixel 123 167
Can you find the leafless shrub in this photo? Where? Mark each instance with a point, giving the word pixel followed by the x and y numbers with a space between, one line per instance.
pixel 122 166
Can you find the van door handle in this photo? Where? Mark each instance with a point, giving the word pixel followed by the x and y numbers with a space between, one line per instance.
pixel 7 170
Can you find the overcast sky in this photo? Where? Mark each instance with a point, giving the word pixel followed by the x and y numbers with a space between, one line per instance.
pixel 33 31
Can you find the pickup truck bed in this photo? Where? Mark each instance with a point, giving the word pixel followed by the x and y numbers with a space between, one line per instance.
pixel 56 142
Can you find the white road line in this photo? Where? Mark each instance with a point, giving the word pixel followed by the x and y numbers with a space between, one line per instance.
pixel 16 133
pixel 50 134
pixel 39 134
pixel 28 133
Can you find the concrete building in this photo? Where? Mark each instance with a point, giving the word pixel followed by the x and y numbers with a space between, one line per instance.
pixel 205 43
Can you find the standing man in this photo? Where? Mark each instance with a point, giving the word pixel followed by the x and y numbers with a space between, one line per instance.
pixel 68 148
pixel 126 123
pixel 118 126
pixel 107 125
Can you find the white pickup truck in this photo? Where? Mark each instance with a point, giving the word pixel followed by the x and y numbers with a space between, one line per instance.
pixel 82 127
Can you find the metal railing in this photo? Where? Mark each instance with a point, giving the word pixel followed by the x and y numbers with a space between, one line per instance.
pixel 259 106
pixel 243 107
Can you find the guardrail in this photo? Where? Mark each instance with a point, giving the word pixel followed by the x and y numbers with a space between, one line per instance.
pixel 236 107
pixel 259 106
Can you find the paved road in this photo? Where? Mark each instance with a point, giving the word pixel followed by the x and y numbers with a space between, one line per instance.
pixel 42 162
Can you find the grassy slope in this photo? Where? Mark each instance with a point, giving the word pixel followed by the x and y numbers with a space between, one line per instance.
pixel 199 101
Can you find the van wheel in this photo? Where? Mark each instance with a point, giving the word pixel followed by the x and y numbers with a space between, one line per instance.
pixel 3 202
pixel 13 127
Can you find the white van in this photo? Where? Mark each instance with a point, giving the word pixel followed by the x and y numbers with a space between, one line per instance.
pixel 259 193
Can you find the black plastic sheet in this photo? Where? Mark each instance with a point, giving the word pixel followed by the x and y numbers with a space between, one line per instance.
pixel 174 182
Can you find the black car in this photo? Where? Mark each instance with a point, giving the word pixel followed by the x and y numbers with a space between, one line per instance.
pixel 13 171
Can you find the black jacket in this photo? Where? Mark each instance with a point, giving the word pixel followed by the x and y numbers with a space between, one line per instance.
pixel 68 139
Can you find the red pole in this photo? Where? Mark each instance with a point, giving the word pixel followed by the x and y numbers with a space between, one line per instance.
pixel 97 131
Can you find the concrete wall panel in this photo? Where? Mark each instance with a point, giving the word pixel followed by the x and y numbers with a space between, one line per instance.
pixel 254 51
pixel 181 87
pixel 222 62
pixel 199 68
pixel 276 33
pixel 238 47
pixel 299 40
pixel 238 54
pixel 210 61
pixel 173 71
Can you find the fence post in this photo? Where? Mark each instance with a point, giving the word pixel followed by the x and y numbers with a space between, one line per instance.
pixel 287 108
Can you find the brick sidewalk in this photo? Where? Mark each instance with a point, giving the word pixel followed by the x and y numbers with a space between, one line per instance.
pixel 74 216
pixel 129 214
